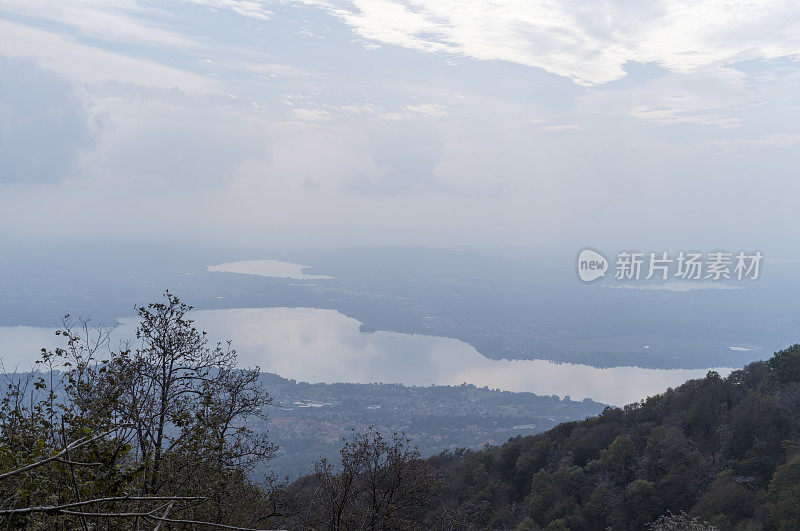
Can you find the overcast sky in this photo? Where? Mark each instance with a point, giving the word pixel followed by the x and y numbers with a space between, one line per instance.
pixel 666 123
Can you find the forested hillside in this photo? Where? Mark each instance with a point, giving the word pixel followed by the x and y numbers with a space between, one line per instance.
pixel 724 450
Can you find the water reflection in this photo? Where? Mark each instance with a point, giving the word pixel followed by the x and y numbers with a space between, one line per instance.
pixel 316 345
pixel 267 268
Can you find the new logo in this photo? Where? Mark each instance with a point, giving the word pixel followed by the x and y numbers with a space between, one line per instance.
pixel 591 265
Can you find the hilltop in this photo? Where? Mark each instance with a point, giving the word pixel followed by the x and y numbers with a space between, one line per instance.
pixel 724 450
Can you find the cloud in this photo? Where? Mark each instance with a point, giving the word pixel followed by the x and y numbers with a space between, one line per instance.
pixel 778 141
pixel 112 21
pixel 405 155
pixel 125 21
pixel 248 8
pixel 716 97
pixel 325 137
pixel 178 140
pixel 90 64
pixel 561 127
pixel 411 112
pixel 587 42
pixel 311 114
pixel 44 122
pixel 680 112
pixel 427 109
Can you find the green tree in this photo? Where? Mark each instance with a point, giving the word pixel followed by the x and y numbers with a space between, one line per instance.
pixel 784 496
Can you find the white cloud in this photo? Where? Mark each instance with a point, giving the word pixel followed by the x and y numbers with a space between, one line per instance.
pixel 679 110
pixel 94 65
pixel 715 97
pixel 587 42
pixel 429 110
pixel 561 127
pixel 778 140
pixel 410 112
pixel 311 114
pixel 111 20
pixel 247 8
pixel 359 109
pixel 127 20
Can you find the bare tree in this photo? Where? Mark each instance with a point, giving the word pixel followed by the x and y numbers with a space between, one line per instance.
pixel 166 376
pixel 382 484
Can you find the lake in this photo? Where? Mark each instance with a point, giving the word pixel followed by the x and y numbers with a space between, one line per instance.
pixel 314 345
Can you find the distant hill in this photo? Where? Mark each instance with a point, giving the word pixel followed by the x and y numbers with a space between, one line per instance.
pixel 724 450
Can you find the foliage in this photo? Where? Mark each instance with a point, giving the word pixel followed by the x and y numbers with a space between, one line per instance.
pixel 149 435
pixel 717 452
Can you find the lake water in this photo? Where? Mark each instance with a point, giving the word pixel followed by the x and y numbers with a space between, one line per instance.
pixel 267 268
pixel 314 345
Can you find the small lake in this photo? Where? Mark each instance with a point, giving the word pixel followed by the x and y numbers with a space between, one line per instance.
pixel 314 345
pixel 267 268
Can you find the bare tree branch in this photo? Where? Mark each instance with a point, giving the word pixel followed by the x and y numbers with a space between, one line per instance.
pixel 72 446
pixel 61 508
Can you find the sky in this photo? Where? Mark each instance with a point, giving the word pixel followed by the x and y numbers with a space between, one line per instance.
pixel 663 124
